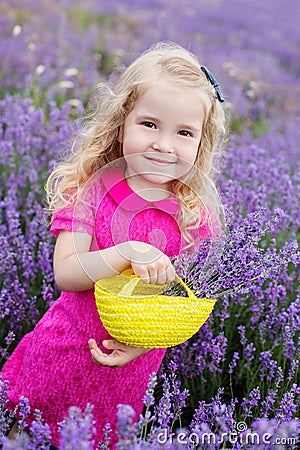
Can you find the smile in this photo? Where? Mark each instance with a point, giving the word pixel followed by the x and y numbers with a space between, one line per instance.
pixel 159 161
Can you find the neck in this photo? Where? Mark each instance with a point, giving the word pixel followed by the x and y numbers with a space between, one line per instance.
pixel 146 190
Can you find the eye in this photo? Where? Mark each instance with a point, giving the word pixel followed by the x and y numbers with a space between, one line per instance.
pixel 185 133
pixel 148 124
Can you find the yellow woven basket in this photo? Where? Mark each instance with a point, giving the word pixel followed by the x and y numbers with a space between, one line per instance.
pixel 139 314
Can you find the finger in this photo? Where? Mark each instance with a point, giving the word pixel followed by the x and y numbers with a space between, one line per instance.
pixel 112 344
pixel 97 355
pixel 95 358
pixel 144 276
pixel 170 274
pixel 162 276
pixel 102 359
pixel 152 275
pixel 92 344
pixel 140 271
pixel 115 360
pixel 94 349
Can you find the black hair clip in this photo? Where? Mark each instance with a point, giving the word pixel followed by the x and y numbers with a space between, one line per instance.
pixel 214 82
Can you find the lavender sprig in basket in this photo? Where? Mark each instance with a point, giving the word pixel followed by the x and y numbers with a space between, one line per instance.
pixel 235 261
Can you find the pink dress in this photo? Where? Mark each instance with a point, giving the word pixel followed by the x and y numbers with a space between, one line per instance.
pixel 52 365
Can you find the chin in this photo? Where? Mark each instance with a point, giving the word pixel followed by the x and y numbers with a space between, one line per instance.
pixel 158 179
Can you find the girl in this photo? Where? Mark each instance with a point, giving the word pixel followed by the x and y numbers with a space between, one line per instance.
pixel 136 191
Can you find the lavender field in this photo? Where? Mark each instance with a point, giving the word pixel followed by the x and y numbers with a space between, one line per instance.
pixel 236 383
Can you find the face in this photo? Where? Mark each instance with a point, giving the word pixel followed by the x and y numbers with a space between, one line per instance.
pixel 161 135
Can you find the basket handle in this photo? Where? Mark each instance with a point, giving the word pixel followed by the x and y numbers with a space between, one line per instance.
pixel 128 288
pixel 182 283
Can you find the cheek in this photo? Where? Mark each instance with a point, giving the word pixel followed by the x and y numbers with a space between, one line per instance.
pixel 130 147
pixel 132 144
pixel 190 154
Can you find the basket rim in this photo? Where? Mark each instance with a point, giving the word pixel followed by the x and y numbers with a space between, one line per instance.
pixel 116 294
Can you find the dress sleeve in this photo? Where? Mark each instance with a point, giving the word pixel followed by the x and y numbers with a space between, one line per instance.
pixel 79 216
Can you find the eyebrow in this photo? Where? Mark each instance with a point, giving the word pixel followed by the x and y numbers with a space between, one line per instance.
pixel 147 117
pixel 183 126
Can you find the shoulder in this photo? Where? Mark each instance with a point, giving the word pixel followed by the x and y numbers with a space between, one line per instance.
pixel 79 213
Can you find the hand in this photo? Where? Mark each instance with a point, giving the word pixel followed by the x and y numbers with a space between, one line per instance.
pixel 149 263
pixel 121 355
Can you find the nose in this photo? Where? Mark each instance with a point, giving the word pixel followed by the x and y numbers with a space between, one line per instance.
pixel 164 144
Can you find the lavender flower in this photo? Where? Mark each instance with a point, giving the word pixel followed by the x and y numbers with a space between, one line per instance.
pixel 23 411
pixel 249 354
pixel 233 263
pixel 105 443
pixel 267 405
pixel 268 365
pixel 233 363
pixel 5 416
pixel 40 434
pixel 272 432
pixel 22 442
pixel 25 243
pixel 76 431
pixel 215 417
pixel 164 408
pixel 247 404
pixel 287 407
pixel 149 400
pixel 127 428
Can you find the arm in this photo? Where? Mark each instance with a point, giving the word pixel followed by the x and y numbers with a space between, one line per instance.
pixel 77 269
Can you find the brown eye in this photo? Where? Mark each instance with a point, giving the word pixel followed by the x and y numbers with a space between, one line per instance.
pixel 185 133
pixel 148 124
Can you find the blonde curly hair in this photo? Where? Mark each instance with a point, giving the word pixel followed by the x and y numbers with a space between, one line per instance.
pixel 97 144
